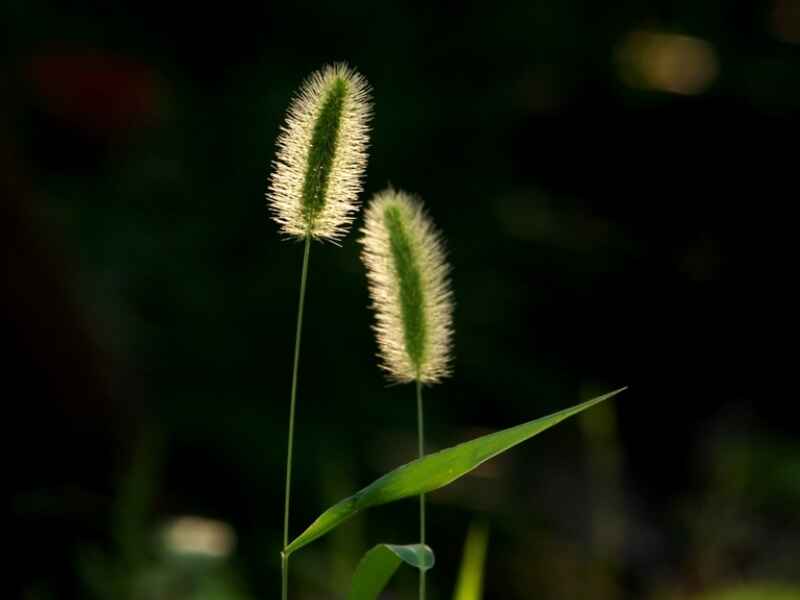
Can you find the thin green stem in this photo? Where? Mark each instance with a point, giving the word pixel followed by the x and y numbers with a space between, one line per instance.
pixel 284 576
pixel 300 307
pixel 421 442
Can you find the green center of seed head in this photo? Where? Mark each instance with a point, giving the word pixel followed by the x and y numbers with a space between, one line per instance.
pixel 412 297
pixel 322 152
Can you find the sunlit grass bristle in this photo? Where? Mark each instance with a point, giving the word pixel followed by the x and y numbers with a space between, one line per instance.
pixel 322 154
pixel 409 288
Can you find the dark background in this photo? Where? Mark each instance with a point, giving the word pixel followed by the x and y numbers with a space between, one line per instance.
pixel 611 180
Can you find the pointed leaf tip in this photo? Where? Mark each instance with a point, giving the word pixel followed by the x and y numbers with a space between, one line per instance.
pixel 434 471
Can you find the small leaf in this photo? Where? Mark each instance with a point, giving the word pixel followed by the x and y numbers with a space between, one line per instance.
pixel 470 576
pixel 433 472
pixel 379 564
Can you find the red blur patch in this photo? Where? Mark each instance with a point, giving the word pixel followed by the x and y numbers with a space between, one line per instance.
pixel 98 93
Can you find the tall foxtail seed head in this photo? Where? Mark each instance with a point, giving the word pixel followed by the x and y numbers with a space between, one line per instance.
pixel 322 154
pixel 409 287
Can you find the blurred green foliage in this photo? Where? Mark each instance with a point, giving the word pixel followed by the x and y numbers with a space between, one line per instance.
pixel 469 585
pixel 754 591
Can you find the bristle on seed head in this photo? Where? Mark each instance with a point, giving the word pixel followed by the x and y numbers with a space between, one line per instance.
pixel 409 288
pixel 321 156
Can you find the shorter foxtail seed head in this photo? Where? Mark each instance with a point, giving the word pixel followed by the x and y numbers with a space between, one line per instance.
pixel 409 287
pixel 322 155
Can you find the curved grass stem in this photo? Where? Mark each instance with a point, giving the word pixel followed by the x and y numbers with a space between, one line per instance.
pixel 292 402
pixel 421 442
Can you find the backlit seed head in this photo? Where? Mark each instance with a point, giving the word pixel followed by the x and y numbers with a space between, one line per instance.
pixel 409 287
pixel 322 155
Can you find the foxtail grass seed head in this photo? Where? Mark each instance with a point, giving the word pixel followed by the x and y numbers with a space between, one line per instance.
pixel 322 155
pixel 409 287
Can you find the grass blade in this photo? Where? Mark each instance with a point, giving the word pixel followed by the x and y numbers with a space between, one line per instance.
pixel 433 471
pixel 379 564
pixel 470 576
